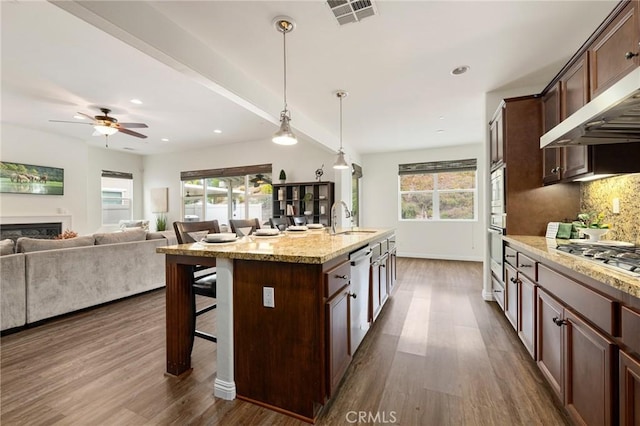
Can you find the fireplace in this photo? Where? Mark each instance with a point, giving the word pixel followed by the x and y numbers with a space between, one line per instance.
pixel 31 230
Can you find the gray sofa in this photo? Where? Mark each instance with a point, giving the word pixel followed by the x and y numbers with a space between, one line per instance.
pixel 46 278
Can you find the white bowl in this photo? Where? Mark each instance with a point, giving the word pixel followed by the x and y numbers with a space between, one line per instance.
pixel 594 233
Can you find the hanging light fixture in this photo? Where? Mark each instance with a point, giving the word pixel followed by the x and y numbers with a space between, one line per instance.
pixel 284 136
pixel 105 130
pixel 341 163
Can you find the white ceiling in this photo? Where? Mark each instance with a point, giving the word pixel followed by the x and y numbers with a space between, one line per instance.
pixel 205 65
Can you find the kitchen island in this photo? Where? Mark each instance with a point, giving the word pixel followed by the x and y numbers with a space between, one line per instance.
pixel 287 357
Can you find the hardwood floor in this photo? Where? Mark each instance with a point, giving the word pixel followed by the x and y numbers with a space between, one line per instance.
pixel 437 355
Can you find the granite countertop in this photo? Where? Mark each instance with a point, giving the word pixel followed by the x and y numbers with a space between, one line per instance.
pixel 312 246
pixel 545 248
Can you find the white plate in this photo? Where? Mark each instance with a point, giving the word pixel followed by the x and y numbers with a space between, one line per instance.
pixel 218 243
pixel 222 237
pixel 268 236
pixel 315 226
pixel 266 232
pixel 297 228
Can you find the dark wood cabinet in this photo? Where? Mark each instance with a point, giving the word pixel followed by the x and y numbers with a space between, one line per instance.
pixel 527 290
pixel 550 355
pixel 574 95
pixel 511 297
pixel 496 139
pixel 551 157
pixel 614 53
pixel 310 199
pixel 338 338
pixel 629 390
pixel 588 373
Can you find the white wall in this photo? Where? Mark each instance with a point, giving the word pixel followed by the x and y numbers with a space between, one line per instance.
pixel 82 172
pixel 436 240
pixel 299 161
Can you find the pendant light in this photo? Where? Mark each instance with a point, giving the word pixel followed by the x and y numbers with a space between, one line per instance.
pixel 284 136
pixel 341 163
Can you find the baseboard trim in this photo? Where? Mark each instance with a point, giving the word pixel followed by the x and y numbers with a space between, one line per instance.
pixel 224 390
pixel 441 257
pixel 488 296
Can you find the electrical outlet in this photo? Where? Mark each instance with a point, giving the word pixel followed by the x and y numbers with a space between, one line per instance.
pixel 616 206
pixel 268 298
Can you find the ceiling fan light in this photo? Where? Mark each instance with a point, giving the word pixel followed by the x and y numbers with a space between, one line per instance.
pixel 105 130
pixel 284 135
pixel 340 163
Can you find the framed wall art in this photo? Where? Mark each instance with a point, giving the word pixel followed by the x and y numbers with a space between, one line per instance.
pixel 18 178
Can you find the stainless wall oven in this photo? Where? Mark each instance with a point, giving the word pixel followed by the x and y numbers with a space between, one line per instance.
pixel 498 222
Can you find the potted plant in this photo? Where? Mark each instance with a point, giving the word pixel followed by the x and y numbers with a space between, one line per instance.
pixel 161 222
pixel 283 176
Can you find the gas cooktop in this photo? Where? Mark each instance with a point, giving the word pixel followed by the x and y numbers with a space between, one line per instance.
pixel 620 258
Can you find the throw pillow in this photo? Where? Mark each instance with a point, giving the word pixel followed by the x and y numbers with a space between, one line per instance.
pixel 121 237
pixel 27 245
pixel 6 247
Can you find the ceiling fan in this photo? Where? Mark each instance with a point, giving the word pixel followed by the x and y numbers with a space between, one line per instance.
pixel 107 125
pixel 259 180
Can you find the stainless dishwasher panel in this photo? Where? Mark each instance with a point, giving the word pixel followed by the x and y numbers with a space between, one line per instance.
pixel 360 262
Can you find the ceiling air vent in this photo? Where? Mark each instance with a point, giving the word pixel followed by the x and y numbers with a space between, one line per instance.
pixel 347 11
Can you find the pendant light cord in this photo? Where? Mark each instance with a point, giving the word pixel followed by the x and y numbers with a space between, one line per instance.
pixel 340 123
pixel 284 44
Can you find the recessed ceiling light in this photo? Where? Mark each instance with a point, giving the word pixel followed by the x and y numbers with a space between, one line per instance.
pixel 460 70
pixel 136 101
pixel 441 117
pixel 217 131
pixel 79 117
pixel 126 148
pixel 165 139
pixel 439 131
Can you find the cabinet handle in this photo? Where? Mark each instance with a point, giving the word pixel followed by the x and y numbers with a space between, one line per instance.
pixel 557 321
pixel 513 280
pixel 630 55
pixel 554 171
pixel 342 277
pixel 509 255
pixel 524 265
pixel 497 290
pixel 354 295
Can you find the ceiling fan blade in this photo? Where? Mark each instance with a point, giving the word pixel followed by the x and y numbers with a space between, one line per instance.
pixel 72 122
pixel 133 125
pixel 88 116
pixel 132 133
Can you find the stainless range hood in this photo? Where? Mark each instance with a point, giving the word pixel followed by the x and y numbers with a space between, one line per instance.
pixel 612 117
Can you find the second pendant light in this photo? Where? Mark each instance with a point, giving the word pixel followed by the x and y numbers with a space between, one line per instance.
pixel 341 163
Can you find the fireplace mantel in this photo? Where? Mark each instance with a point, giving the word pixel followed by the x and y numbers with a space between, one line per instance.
pixel 65 219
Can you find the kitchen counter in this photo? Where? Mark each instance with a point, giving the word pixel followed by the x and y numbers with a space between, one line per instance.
pixel 271 350
pixel 545 248
pixel 313 246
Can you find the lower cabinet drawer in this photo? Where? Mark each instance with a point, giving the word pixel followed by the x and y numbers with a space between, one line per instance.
pixel 630 329
pixel 527 266
pixel 598 309
pixel 336 278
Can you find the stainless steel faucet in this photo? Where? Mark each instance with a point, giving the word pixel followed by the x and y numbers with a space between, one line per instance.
pixel 334 217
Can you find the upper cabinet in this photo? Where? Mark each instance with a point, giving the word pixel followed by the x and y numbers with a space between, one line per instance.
pixel 615 51
pixel 610 54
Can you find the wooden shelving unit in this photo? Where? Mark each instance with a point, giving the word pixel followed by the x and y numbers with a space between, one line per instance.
pixel 310 199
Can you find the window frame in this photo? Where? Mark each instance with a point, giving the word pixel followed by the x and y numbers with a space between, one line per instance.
pixel 434 169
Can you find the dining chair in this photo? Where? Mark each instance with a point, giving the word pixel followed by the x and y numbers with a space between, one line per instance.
pixel 203 278
pixel 239 224
pixel 280 223
pixel 299 220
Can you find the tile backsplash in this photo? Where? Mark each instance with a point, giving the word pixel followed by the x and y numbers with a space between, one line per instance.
pixel 597 196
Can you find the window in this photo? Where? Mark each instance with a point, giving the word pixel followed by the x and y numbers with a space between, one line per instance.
pixel 117 197
pixel 440 190
pixel 356 175
pixel 229 193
